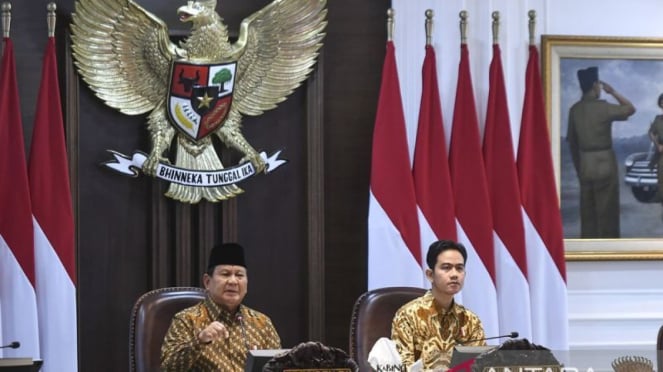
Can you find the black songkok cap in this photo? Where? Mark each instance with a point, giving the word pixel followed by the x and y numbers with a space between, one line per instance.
pixel 226 254
pixel 588 77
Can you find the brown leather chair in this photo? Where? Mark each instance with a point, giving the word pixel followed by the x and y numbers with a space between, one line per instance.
pixel 371 319
pixel 150 319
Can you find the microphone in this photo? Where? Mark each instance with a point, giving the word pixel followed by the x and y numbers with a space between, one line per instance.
pixel 510 335
pixel 240 319
pixel 13 345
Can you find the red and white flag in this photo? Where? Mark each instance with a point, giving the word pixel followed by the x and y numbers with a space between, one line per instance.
pixel 394 245
pixel 510 256
pixel 18 306
pixel 53 226
pixel 472 202
pixel 543 225
pixel 431 167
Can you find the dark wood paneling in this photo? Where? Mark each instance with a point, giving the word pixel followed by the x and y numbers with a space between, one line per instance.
pixel 161 238
pixel 304 225
pixel 354 53
pixel 114 235
pixel 316 206
pixel 272 218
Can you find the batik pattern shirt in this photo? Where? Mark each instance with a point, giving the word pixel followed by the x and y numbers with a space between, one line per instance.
pixel 421 329
pixel 182 351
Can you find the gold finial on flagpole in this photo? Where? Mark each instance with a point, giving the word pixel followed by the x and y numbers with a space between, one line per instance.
pixel 50 18
pixel 429 26
pixel 6 18
pixel 496 27
pixel 532 25
pixel 390 24
pixel 463 26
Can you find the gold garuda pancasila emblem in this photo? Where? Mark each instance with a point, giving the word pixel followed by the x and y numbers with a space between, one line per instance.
pixel 198 88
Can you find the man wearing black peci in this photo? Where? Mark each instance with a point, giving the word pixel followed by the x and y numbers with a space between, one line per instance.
pixel 590 141
pixel 217 333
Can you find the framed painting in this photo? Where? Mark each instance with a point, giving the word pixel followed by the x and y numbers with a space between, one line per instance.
pixel 606 144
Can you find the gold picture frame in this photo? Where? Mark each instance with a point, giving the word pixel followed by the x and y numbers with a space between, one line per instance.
pixel 622 59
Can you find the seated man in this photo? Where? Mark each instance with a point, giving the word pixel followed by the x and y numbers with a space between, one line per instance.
pixel 429 327
pixel 216 334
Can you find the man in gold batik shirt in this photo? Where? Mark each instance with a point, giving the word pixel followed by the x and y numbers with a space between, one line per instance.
pixel 216 334
pixel 429 327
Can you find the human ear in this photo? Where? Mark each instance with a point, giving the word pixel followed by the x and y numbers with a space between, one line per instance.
pixel 429 275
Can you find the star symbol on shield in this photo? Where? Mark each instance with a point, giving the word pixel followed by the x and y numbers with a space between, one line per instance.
pixel 204 101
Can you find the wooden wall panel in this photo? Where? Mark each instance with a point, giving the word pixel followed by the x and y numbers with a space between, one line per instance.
pixel 316 202
pixel 114 234
pixel 354 53
pixel 272 220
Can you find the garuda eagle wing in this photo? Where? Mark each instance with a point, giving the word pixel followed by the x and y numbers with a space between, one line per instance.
pixel 276 50
pixel 123 53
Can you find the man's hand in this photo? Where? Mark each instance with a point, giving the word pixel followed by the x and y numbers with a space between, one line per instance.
pixel 621 99
pixel 213 332
pixel 608 88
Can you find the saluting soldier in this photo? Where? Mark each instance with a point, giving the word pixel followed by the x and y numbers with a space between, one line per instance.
pixel 590 140
pixel 656 136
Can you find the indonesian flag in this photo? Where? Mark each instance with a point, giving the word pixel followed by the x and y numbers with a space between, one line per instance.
pixel 53 226
pixel 543 225
pixel 472 202
pixel 431 167
pixel 510 256
pixel 394 246
pixel 18 306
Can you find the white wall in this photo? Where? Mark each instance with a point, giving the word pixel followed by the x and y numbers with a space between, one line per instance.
pixel 615 307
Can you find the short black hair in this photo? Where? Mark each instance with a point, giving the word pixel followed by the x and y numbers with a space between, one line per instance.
pixel 660 98
pixel 443 245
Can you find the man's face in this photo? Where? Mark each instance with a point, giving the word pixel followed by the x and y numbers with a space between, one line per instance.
pixel 448 275
pixel 227 286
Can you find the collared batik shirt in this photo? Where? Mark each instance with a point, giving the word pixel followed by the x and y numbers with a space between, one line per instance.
pixel 181 350
pixel 421 329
